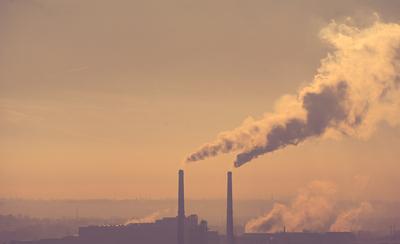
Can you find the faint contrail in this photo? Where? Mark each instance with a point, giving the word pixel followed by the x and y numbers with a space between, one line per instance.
pixel 356 87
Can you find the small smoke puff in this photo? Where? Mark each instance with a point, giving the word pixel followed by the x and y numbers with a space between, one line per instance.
pixel 355 88
pixel 151 218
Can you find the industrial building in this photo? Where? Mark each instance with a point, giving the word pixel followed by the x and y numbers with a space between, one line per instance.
pixel 184 229
pixel 180 229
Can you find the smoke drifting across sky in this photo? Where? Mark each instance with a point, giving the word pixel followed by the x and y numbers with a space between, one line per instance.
pixel 355 88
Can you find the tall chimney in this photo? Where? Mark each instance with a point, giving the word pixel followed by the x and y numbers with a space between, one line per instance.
pixel 229 212
pixel 181 210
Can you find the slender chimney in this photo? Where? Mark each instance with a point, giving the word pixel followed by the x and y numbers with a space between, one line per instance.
pixel 229 212
pixel 181 210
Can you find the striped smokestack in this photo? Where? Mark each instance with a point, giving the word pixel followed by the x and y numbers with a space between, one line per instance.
pixel 181 210
pixel 229 212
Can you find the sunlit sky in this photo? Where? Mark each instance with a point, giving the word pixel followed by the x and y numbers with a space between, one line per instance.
pixel 104 99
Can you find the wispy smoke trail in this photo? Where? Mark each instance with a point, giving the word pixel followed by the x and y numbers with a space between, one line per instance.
pixel 356 87
pixel 151 218
pixel 314 209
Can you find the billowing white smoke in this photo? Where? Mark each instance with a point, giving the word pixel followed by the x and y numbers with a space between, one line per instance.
pixel 151 218
pixel 314 209
pixel 356 87
pixel 351 220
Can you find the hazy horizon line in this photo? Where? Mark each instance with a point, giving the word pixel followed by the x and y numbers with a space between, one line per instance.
pixel 275 198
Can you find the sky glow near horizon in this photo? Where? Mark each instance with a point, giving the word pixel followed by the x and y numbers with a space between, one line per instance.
pixel 104 100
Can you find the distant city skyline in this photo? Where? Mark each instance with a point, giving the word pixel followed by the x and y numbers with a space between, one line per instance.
pixel 308 221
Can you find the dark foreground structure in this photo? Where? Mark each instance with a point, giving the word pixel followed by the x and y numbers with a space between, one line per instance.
pixel 298 238
pixel 172 230
pixel 163 231
pixel 189 230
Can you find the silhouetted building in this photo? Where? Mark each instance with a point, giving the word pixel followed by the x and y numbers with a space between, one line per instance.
pixel 188 230
pixel 162 231
pixel 172 230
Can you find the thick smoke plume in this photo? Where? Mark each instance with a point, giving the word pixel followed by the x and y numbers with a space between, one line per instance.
pixel 351 220
pixel 314 209
pixel 356 87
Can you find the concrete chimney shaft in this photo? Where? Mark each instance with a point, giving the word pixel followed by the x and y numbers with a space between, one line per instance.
pixel 181 209
pixel 229 212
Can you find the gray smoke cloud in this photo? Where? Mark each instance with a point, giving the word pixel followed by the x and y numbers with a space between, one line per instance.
pixel 355 88
pixel 324 109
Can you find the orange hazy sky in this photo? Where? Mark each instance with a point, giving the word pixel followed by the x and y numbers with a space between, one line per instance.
pixel 104 99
